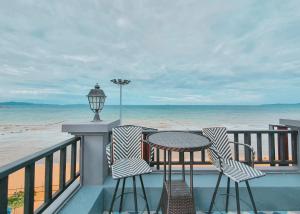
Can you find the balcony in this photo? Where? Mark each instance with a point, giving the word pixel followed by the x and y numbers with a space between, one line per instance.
pixel 90 188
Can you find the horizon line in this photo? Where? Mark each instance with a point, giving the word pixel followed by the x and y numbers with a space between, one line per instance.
pixel 56 104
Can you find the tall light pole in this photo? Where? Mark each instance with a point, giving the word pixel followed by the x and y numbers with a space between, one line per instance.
pixel 120 82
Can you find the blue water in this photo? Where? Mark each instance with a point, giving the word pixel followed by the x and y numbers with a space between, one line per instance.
pixel 180 117
pixel 28 128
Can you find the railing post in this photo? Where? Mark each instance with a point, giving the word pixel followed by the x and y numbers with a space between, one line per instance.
pixel 283 148
pixel 236 146
pixel 73 159
pixel 157 159
pixel 271 148
pixel 3 194
pixel 29 189
pixel 94 138
pixel 48 178
pixel 247 140
pixel 259 147
pixel 62 169
pixel 294 139
pixel 203 159
pixel 146 150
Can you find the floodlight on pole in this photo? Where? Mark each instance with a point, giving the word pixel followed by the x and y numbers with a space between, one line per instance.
pixel 120 82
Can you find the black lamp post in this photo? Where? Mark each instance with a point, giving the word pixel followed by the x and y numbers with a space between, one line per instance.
pixel 96 99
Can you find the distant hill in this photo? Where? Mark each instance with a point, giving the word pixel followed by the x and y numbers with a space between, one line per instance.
pixel 277 104
pixel 16 103
pixel 34 104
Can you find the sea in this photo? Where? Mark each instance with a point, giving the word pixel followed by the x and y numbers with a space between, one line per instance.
pixel 27 128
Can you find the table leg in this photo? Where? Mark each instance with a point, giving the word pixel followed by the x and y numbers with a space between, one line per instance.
pixel 191 172
pixel 165 179
pixel 181 158
pixel 165 166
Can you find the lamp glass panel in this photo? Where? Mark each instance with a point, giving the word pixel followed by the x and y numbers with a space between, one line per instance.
pixel 90 102
pixel 97 103
pixel 94 103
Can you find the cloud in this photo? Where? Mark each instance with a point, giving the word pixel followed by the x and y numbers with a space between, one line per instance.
pixel 43 91
pixel 209 52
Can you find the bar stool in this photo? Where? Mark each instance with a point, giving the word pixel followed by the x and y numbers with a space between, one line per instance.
pixel 124 157
pixel 221 156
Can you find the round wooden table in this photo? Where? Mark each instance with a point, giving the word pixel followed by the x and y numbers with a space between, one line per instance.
pixel 176 196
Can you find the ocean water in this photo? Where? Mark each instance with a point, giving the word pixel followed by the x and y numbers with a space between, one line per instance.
pixel 28 128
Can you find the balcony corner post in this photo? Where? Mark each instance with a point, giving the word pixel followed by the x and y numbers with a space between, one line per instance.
pixel 94 138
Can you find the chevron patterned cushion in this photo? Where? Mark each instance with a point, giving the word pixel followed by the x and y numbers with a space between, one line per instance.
pixel 129 167
pixel 127 142
pixel 219 138
pixel 238 171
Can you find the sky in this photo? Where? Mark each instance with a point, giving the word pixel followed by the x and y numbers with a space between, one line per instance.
pixel 173 51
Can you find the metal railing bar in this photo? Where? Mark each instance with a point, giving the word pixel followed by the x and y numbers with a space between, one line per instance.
pixel 294 144
pixel 29 189
pixel 23 162
pixel 259 147
pixel 3 194
pixel 62 169
pixel 271 148
pixel 247 140
pixel 73 160
pixel 157 158
pixel 228 131
pixel 272 160
pixel 236 147
pixel 48 178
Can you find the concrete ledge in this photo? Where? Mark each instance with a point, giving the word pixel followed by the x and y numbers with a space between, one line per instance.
pixel 90 127
pixel 289 122
pixel 274 192
pixel 89 199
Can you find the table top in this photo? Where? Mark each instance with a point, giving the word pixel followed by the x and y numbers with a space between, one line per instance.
pixel 178 141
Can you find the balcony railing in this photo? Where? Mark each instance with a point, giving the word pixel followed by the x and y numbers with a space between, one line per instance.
pixel 272 148
pixel 28 163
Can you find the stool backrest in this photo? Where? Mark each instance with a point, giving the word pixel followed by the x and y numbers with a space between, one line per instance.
pixel 127 142
pixel 220 143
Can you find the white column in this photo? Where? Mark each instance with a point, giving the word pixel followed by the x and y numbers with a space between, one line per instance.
pixel 95 136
